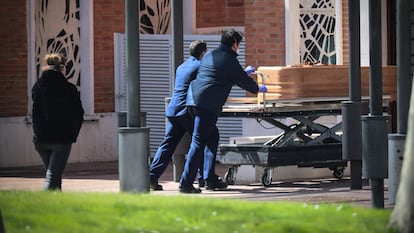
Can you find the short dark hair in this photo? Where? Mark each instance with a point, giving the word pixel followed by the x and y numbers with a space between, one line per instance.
pixel 231 36
pixel 197 47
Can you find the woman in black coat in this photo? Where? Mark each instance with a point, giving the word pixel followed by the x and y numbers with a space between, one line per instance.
pixel 57 118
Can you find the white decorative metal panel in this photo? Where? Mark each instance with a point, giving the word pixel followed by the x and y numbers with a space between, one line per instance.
pixel 57 31
pixel 317 22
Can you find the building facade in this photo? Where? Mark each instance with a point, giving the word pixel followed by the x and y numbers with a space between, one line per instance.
pixel 277 33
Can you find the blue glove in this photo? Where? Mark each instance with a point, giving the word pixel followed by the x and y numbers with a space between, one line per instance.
pixel 262 88
pixel 249 70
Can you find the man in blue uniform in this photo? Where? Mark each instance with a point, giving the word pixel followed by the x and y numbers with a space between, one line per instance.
pixel 179 121
pixel 218 72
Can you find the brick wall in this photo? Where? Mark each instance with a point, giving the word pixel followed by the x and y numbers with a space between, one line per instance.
pixel 264 22
pixel 265 32
pixel 108 18
pixel 218 13
pixel 235 12
pixel 13 58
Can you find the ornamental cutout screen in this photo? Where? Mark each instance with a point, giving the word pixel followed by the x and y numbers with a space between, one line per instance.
pixel 58 30
pixel 317 22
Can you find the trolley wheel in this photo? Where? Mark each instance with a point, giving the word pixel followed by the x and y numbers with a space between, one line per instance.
pixel 230 177
pixel 266 179
pixel 338 172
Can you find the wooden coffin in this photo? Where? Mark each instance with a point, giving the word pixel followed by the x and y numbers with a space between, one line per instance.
pixel 285 82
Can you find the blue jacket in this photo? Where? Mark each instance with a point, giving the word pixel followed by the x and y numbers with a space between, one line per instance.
pixel 185 73
pixel 218 72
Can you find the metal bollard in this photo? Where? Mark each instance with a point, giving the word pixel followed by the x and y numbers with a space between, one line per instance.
pixel 396 143
pixel 352 136
pixel 133 155
pixel 375 149
pixel 352 140
pixel 122 119
pixel 133 159
pixel 375 155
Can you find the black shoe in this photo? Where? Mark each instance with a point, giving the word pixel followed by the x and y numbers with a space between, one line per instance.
pixel 189 189
pixel 155 186
pixel 216 185
pixel 201 183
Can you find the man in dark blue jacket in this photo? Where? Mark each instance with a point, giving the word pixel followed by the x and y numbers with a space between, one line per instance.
pixel 179 121
pixel 218 72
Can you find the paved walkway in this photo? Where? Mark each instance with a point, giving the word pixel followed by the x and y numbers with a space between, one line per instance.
pixel 103 177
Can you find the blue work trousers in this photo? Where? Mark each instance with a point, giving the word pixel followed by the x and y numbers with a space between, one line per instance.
pixel 176 128
pixel 205 133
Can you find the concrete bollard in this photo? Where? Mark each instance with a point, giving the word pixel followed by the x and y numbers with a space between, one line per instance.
pixel 133 159
pixel 396 143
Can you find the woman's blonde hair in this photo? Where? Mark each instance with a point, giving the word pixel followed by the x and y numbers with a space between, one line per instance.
pixel 54 61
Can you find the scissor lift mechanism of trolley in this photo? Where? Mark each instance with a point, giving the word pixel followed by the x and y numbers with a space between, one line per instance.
pixel 305 143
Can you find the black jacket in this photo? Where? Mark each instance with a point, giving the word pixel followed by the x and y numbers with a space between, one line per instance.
pixel 57 109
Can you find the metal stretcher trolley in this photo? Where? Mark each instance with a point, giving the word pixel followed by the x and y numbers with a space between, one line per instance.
pixel 305 143
pixel 301 94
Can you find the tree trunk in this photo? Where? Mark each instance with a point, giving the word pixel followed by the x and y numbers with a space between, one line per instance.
pixel 402 217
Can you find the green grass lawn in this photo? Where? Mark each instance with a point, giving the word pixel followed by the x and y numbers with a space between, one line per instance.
pixel 25 211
